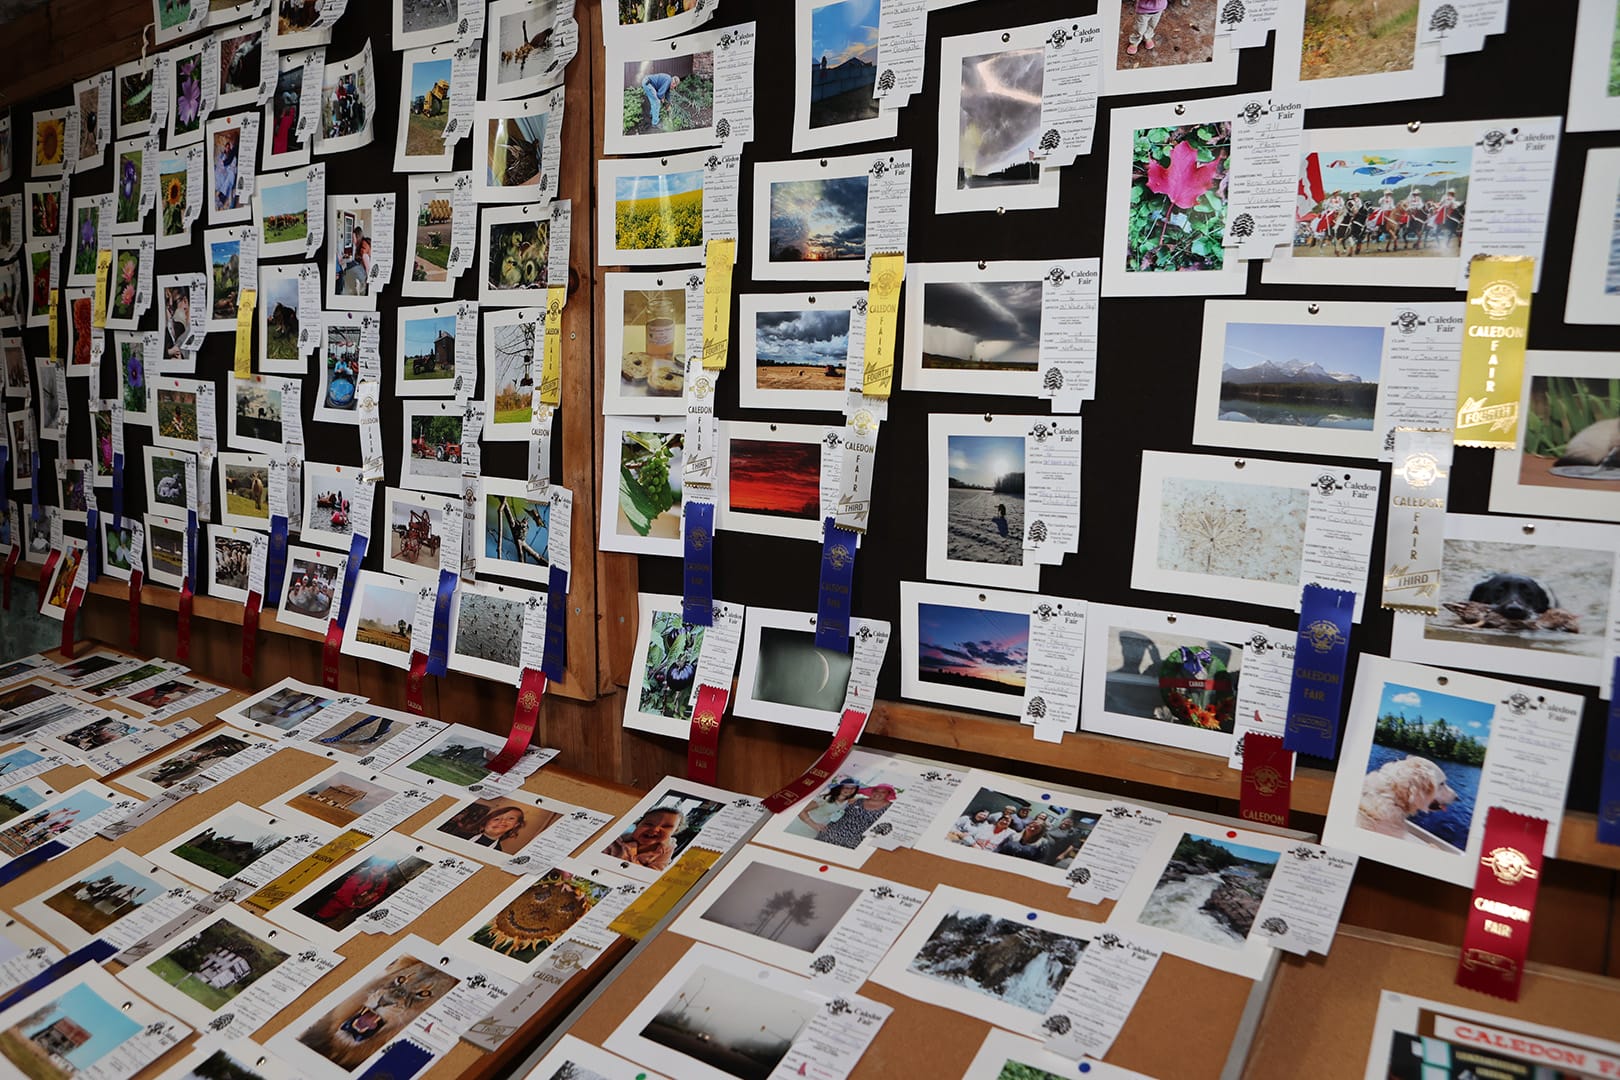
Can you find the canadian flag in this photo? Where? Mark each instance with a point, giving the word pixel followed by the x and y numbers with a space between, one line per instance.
pixel 1311 191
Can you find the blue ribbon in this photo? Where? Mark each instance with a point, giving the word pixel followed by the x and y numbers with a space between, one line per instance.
pixel 401 1061
pixel 554 658
pixel 25 862
pixel 351 574
pixel 837 579
pixel 697 596
pixel 191 549
pixel 1320 655
pixel 118 491
pixel 92 543
pixel 275 564
pixel 93 953
pixel 1608 826
pixel 438 659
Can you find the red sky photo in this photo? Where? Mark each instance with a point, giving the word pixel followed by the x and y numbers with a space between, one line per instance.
pixel 780 478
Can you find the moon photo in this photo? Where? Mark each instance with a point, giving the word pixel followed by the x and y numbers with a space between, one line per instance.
pixel 792 671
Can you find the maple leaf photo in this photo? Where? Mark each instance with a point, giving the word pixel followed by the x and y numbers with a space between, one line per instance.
pixel 1178 198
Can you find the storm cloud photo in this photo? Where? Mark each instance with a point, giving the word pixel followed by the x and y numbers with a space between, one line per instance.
pixel 1001 118
pixel 802 337
pixel 818 220
pixel 982 325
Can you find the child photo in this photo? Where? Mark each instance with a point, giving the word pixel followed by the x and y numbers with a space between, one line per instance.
pixel 345 121
pixel 500 825
pixel 1422 775
pixel 329 493
pixel 655 838
pixel 1163 33
pixel 224 161
pixel 1210 890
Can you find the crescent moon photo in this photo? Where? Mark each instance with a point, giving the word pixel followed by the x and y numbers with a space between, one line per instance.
pixel 826 672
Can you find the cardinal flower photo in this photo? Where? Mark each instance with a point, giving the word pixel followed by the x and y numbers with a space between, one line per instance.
pixel 1178 198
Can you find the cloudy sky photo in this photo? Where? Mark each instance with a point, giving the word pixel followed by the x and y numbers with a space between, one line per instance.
pixel 994 324
pixel 815 338
pixel 818 220
pixel 1001 109
pixel 844 30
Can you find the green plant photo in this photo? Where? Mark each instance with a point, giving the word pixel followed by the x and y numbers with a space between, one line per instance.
pixel 1178 198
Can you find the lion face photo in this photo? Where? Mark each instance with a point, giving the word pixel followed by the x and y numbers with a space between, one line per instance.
pixel 363 1023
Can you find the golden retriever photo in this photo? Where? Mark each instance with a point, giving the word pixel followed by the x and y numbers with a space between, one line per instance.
pixel 1424 768
pixel 373 1015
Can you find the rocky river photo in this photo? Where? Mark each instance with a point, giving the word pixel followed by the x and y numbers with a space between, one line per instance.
pixel 1210 890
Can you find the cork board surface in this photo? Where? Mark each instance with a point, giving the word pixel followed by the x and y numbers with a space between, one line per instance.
pixel 946 1040
pixel 266 781
pixel 1318 1020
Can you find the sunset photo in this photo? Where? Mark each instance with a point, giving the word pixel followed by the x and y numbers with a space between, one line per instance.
pixel 818 220
pixel 973 648
pixel 782 479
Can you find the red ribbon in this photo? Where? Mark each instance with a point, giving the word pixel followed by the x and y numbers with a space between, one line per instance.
pixel 69 615
pixel 135 610
pixel 183 651
pixel 250 632
pixel 1268 771
pixel 413 684
pixel 703 741
pixel 849 730
pixel 10 572
pixel 1497 940
pixel 45 577
pixel 329 654
pixel 531 691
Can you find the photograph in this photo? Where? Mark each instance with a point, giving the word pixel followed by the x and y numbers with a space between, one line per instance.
pixel 71 487
pixel 348 90
pixel 169 476
pixel 785 678
pixel 244 483
pixel 515 527
pixel 662 680
pixel 162 695
pixel 177 409
pixel 836 75
pixel 1384 202
pixel 329 492
pixel 974 328
pixel 130 352
pixel 339 360
pixel 658 213
pixel 70 1027
pixel 512 340
pixel 218 962
pixel 513 140
pixel 388 995
pixel 63 578
pixel 431 456
pixel 516 244
pixel 224 248
pixel 377 737
pixel 424 106
pixel 77 912
pixel 1594 267
pixel 313 579
pixel 965 647
pixel 815 221
pixel 347 893
pixel 230 556
pixel 339 796
pixel 41 262
pixel 66 812
pixel 255 416
pixel 183 764
pixel 976 501
pixel 94 735
pixel 646 515
pixel 44 221
pixel 50 143
pixel 242 54
pixel 1428 750
pixel 214 1058
pixel 423 22
pixel 739 1027
pixel 132 83
pixel 528 48
pixel 16 369
pixel 176 202
pixel 794 349
pixel 1210 890
pixel 427 351
pixel 486 630
pixel 283 213
pixel 575 1059
pixel 1520 601
pixel 128 274
pixel 493 827
pixel 278 313
pixel 168 561
pixel 457 756
pixel 649 340
pixel 89 232
pixel 379 626
pixel 1594 81
pixel 769 479
pixel 349 252
pixel 529 917
pixel 1172 47
pixel 85 341
pixel 430 205
pixel 1422 777
pixel 666 100
pixel 1566 462
pixel 990 123
pixel 832 823
pixel 794 908
pixel 285 146
pixel 654 834
pixel 1040 833
pixel 229 139
pixel 1353 52
pixel 190 96
pixel 283 706
pixel 1281 375
pixel 415 522
pixel 21 798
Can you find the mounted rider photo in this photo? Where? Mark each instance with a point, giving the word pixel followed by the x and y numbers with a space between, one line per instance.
pixel 1382 203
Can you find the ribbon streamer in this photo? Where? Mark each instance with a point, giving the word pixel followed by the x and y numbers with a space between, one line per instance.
pixel 330 651
pixel 531 691
pixel 703 741
pixel 135 609
pixel 1496 941
pixel 1312 725
pixel 554 658
pixel 838 547
pixel 1268 770
pixel 849 730
pixel 413 684
pixel 250 632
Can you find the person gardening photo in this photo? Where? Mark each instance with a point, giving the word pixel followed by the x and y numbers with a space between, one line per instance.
pixel 658 87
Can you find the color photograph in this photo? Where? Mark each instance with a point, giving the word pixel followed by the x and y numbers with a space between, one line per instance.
pixel 279 319
pixel 737 1026
pixel 56 818
pixel 515 152
pixel 1391 203
pixel 501 825
pixel 97 899
pixel 981 326
pixel 1172 678
pixel 433 445
pixel 224 276
pixel 284 211
pixel 246 485
pixel 349 894
pixel 340 797
pixel 657 836
pixel 430 238
pixel 1572 433
pixel 1423 773
pixel 516 531
pixel 415 533
pixel 215 965
pixel 428 94
pixel 1178 199
pixel 1357 37
pixel 818 221
pixel 649 502
pixel 777 904
pixel 794 350
pixel 348 245
pixel 658 211
pixel 428 352
pixel 460 756
pixel 384 608
pixel 999 125
pixel 312 583
pixel 1012 963
pixel 774 478
pixel 985 519
pixel 973 648
pixel 1316 376
pixel 669 95
pixel 670 667
pixel 340 373
pixel 488 630
pixel 166 562
pixel 652 345
pixel 843 66
pixel 522 55
pixel 387 1000
pixel 1253 532
pixel 1174 35
pixel 516 255
pixel 536 917
pixel 1210 890
pixel 256 415
pixel 67 1035
pixel 287 708
pixel 1544 598
pixel 791 670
